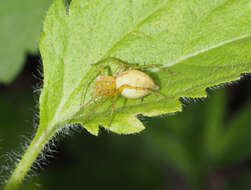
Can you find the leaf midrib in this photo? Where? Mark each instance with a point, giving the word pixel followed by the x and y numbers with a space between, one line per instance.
pixel 201 51
pixel 109 51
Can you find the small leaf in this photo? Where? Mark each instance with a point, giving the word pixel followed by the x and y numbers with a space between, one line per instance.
pixel 20 23
pixel 201 43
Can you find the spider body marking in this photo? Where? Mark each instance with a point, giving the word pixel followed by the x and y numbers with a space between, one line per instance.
pixel 135 84
pixel 105 86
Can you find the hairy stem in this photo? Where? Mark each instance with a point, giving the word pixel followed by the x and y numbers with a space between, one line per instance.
pixel 29 157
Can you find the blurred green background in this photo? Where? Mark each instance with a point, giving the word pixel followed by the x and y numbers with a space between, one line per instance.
pixel 207 146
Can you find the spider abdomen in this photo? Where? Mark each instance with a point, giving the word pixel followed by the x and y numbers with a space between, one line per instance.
pixel 140 82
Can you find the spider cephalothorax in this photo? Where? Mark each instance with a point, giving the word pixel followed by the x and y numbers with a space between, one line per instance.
pixel 105 86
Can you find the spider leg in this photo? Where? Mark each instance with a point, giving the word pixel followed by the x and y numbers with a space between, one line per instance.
pixel 100 70
pixel 121 65
pixel 119 69
pixel 91 77
pixel 145 66
pixel 113 60
pixel 113 108
pixel 125 65
pixel 85 105
pixel 94 108
pixel 93 99
pixel 171 72
pixel 121 88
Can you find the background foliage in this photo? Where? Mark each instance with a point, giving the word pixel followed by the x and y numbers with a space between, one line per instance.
pixel 20 23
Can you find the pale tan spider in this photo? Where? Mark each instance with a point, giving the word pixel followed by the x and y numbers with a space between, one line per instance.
pixel 126 80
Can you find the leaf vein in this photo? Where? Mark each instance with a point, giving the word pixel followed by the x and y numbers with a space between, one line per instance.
pixel 223 43
pixel 116 44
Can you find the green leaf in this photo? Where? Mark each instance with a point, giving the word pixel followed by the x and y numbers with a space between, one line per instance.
pixel 20 23
pixel 203 43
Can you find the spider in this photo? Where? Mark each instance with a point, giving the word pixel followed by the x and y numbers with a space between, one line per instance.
pixel 126 80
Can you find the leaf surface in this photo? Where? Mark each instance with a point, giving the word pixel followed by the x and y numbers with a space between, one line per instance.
pixel 198 43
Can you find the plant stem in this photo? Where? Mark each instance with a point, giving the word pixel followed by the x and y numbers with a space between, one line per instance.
pixel 28 159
